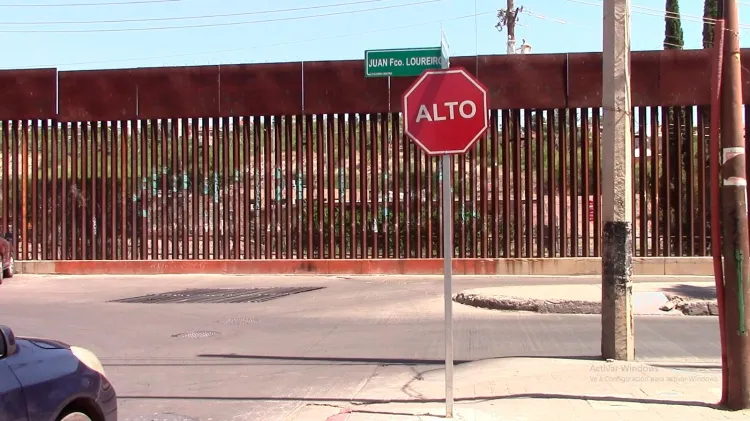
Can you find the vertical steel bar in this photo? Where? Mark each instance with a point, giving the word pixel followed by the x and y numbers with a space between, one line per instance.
pixel 266 181
pixel 205 217
pixel 131 135
pixel 55 178
pixel 153 203
pixel 374 140
pixel 585 181
pixel 666 215
pixel 25 189
pixel 353 196
pixel 320 184
pixel 246 168
pixel 288 190
pixel 164 222
pixel 85 177
pixel 517 184
pixel 408 192
pixel 341 155
pixel 462 204
pixel 331 178
pixel 107 164
pixel 702 182
pixel 123 165
pixel 309 184
pixel 64 180
pixel 506 184
pixel 643 182
pixel 215 209
pixel 396 177
pixel 679 209
pixel 596 131
pixel 564 199
pixel 420 198
pixel 114 147
pixel 36 245
pixel 143 146
pixel 634 181
pixel 529 183
pixel 496 184
pixel 539 169
pixel 574 215
pixel 225 203
pixel 178 225
pixel 299 170
pixel 233 222
pixel 363 190
pixel 186 206
pixel 74 190
pixel 429 201
pixel 98 223
pixel 485 197
pixel 552 239
pixel 384 143
pixel 276 199
pixel 690 176
pixel 148 202
pixel 473 245
pixel 257 182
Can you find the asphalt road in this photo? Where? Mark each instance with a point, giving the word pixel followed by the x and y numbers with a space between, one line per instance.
pixel 265 359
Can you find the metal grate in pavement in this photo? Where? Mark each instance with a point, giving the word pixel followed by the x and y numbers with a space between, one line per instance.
pixel 217 296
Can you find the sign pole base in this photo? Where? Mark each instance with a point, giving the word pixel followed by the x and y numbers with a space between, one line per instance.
pixel 447 281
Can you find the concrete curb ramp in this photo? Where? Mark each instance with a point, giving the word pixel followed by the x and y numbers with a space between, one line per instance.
pixel 566 306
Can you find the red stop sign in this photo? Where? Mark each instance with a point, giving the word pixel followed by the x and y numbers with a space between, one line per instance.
pixel 445 111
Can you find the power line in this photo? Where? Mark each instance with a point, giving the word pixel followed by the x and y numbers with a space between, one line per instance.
pixel 208 25
pixel 109 3
pixel 174 18
pixel 660 13
pixel 233 50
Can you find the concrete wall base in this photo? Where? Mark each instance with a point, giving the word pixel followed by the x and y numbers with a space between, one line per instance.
pixel 655 266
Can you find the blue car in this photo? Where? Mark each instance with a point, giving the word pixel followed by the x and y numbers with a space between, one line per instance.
pixel 46 380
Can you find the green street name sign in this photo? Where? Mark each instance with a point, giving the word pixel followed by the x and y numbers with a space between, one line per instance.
pixel 402 62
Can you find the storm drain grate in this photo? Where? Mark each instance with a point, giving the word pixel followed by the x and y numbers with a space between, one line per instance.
pixel 217 296
pixel 237 321
pixel 196 335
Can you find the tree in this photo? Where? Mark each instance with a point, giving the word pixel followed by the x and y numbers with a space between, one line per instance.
pixel 673 37
pixel 676 118
pixel 710 13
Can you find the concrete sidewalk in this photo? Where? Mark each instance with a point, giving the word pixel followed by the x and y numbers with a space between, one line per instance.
pixel 685 298
pixel 536 389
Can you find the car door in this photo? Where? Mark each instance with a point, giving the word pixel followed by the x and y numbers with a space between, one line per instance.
pixel 12 400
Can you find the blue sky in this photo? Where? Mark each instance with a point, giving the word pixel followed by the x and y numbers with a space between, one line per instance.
pixel 551 26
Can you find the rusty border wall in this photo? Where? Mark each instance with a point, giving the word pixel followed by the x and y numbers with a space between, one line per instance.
pixel 309 161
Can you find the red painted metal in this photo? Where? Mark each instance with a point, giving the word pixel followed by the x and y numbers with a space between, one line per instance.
pixel 105 176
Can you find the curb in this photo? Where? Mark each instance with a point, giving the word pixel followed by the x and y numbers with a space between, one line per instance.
pixel 529 304
pixel 553 306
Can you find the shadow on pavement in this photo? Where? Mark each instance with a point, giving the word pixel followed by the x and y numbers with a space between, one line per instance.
pixel 381 361
pixel 692 291
pixel 365 401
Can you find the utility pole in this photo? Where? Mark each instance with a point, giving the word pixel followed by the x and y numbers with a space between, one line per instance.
pixel 734 216
pixel 617 237
pixel 507 18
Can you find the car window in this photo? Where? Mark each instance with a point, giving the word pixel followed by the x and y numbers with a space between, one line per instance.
pixel 2 348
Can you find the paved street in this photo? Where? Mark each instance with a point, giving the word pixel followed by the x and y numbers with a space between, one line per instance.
pixel 265 360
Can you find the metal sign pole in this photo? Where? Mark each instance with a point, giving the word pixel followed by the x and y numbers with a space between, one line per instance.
pixel 448 275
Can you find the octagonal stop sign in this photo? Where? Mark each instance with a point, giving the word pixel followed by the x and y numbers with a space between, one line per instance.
pixel 445 111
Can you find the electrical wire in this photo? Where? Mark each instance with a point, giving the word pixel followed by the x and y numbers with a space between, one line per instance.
pixel 659 13
pixel 233 50
pixel 210 25
pixel 109 3
pixel 175 18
